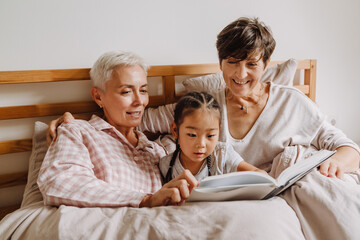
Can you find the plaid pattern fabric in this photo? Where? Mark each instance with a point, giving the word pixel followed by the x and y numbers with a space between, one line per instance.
pixel 91 164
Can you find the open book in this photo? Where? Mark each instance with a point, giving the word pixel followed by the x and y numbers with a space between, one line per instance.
pixel 250 185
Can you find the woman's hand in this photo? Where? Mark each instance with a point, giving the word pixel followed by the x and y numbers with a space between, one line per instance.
pixel 174 192
pixel 332 168
pixel 53 125
pixel 346 159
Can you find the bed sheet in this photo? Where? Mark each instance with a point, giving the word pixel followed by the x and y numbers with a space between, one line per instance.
pixel 203 220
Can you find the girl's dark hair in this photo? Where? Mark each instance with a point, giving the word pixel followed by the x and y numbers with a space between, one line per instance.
pixel 243 38
pixel 187 104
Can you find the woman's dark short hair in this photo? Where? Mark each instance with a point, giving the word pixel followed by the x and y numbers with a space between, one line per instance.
pixel 243 38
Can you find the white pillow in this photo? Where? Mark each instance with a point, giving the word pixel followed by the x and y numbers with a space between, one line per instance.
pixel 32 193
pixel 282 74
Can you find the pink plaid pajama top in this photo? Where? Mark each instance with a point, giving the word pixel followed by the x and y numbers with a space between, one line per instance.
pixel 91 164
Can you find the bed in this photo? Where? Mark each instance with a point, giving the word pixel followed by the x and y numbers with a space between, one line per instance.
pixel 314 208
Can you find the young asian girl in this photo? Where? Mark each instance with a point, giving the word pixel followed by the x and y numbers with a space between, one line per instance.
pixel 196 129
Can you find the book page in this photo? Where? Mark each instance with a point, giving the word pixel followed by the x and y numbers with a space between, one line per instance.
pixel 302 167
pixel 247 192
pixel 237 179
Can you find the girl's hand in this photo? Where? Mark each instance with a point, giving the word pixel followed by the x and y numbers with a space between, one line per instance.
pixel 174 192
pixel 53 125
pixel 261 171
pixel 244 166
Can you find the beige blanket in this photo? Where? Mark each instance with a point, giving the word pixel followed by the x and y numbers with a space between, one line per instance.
pixel 222 220
pixel 316 207
pixel 327 208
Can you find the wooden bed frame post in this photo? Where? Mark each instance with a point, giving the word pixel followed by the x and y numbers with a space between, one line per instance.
pixel 168 83
pixel 310 79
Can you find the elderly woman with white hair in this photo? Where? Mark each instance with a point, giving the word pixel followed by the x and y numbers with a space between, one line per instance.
pixel 105 162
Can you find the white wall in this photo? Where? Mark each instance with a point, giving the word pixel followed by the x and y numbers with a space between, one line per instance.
pixel 43 34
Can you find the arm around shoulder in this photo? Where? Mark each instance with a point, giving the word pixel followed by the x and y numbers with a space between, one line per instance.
pixel 158 119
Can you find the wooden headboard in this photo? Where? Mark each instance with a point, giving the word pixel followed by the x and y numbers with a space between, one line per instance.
pixel 167 73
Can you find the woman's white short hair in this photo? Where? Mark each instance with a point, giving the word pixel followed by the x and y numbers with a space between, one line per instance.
pixel 102 70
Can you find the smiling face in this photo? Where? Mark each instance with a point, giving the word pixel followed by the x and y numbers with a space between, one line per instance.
pixel 241 77
pixel 197 137
pixel 125 97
